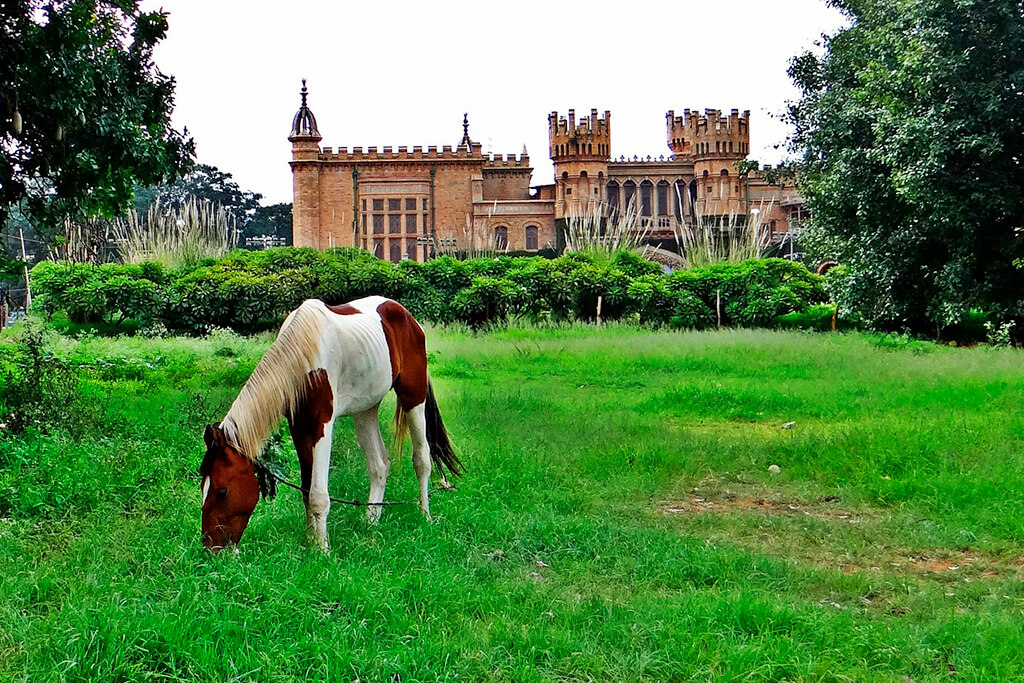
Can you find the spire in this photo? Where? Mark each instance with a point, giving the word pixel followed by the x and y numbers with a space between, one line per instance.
pixel 304 123
pixel 465 133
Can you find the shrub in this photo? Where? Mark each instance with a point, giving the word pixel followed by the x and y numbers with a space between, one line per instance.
pixel 247 291
pixel 486 301
pixel 37 389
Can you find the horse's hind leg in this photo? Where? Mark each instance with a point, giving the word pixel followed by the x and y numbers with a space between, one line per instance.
pixel 378 464
pixel 421 454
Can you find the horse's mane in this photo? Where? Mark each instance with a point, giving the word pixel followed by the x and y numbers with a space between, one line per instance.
pixel 277 383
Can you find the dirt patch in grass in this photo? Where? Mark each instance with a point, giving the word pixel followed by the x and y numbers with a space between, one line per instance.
pixel 851 539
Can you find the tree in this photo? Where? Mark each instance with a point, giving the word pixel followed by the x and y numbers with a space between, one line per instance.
pixel 910 131
pixel 210 184
pixel 275 219
pixel 84 112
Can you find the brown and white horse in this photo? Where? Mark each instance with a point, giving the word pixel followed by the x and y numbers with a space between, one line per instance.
pixel 327 361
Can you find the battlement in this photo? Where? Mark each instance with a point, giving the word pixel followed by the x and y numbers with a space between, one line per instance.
pixel 509 161
pixel 711 133
pixel 403 153
pixel 590 138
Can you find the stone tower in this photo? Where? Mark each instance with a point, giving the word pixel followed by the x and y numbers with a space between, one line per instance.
pixel 305 139
pixel 715 143
pixel 580 155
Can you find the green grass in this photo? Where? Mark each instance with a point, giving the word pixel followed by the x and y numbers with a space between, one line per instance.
pixel 618 521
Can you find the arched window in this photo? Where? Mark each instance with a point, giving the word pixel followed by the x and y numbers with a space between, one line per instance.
pixel 646 190
pixel 680 199
pixel 613 197
pixel 501 238
pixel 663 198
pixel 531 237
pixel 629 193
pixel 396 250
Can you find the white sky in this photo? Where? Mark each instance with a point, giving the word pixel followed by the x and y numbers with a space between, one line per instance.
pixel 390 72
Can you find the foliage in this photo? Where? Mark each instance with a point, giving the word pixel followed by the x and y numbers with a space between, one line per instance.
pixel 910 136
pixel 206 185
pixel 84 112
pixel 250 291
pixel 275 219
pixel 38 390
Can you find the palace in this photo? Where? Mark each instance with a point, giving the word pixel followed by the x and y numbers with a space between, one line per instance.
pixel 410 203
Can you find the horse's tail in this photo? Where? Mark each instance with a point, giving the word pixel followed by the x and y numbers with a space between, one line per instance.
pixel 401 428
pixel 441 451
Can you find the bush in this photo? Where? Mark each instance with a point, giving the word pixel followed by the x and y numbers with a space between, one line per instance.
pixel 486 301
pixel 248 291
pixel 37 389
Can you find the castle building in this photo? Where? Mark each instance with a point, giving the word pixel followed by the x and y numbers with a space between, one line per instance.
pixel 414 203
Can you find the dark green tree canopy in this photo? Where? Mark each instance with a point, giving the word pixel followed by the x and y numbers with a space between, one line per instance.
pixel 84 112
pixel 910 131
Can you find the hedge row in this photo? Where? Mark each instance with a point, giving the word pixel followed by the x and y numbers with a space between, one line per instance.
pixel 254 290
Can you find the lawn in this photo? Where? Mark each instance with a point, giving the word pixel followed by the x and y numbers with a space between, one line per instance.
pixel 639 506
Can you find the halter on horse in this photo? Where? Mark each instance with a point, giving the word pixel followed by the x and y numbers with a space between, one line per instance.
pixel 327 361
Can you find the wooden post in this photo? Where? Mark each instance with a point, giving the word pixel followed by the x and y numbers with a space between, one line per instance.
pixel 599 298
pixel 718 306
pixel 834 313
pixel 24 258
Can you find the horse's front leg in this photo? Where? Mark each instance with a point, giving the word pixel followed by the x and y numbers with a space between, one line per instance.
pixel 318 503
pixel 378 464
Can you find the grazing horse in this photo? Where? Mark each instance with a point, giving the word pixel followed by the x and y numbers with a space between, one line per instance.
pixel 327 361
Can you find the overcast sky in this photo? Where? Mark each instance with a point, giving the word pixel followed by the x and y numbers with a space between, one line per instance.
pixel 402 73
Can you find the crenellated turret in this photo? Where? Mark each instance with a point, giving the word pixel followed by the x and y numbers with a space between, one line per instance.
pixel 590 140
pixel 580 153
pixel 711 135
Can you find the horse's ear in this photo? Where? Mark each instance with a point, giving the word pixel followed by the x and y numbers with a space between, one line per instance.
pixel 213 436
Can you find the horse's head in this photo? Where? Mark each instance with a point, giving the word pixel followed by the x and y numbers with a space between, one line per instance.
pixel 230 490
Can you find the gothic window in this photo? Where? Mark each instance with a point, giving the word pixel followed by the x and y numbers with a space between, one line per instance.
pixel 396 250
pixel 424 204
pixel 646 189
pixel 364 205
pixel 501 238
pixel 378 204
pixel 394 205
pixel 378 248
pixel 378 223
pixel 410 244
pixel 663 198
pixel 394 222
pixel 629 193
pixel 680 192
pixel 613 197
pixel 410 221
pixel 531 237
pixel 410 204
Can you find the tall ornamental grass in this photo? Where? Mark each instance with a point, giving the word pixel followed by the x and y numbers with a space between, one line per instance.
pixel 176 238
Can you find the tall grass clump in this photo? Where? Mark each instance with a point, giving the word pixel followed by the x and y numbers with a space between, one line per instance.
pixel 176 237
pixel 707 241
pixel 590 232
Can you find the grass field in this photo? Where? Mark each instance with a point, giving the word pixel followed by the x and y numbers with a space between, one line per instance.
pixel 619 520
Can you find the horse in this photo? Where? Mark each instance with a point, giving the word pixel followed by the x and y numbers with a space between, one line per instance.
pixel 327 361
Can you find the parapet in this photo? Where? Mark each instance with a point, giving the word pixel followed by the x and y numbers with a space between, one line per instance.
pixel 416 153
pixel 509 161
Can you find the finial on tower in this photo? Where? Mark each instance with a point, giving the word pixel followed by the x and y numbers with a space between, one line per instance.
pixel 465 132
pixel 304 123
